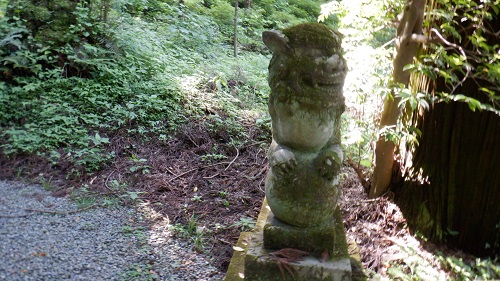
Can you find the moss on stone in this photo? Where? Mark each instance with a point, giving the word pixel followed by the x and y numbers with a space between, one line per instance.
pixel 294 76
pixel 328 237
pixel 236 269
pixel 305 197
pixel 261 266
pixel 313 35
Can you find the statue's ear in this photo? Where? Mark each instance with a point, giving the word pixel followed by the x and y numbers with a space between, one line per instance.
pixel 276 41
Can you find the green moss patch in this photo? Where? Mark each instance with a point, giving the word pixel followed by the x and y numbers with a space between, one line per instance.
pixel 313 35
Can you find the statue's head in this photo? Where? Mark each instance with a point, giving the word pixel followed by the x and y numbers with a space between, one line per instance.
pixel 307 62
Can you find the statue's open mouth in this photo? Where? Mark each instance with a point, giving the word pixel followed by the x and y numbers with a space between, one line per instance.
pixel 322 82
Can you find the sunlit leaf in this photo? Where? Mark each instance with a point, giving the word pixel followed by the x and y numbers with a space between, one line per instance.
pixel 409 67
pixel 444 74
pixel 366 163
pixel 473 104
pixel 396 272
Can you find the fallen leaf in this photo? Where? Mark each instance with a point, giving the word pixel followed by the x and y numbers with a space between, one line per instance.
pixel 289 254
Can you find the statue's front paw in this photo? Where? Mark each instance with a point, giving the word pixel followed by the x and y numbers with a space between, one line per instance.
pixel 283 162
pixel 328 165
pixel 328 169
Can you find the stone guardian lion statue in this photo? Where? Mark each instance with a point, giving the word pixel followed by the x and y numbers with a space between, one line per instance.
pixel 306 76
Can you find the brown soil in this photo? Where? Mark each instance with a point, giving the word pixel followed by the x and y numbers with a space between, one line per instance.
pixel 199 177
pixel 196 177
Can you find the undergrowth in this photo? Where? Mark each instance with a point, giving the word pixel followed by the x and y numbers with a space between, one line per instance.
pixel 64 101
pixel 144 69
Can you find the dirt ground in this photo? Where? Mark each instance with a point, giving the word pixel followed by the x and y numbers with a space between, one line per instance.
pixel 199 178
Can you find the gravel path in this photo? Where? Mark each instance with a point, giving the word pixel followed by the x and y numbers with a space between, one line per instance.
pixel 112 243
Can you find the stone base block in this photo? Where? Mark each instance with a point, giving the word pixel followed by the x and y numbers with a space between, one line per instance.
pixel 236 270
pixel 261 266
pixel 329 237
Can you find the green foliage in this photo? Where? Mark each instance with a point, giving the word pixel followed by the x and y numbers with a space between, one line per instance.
pixel 191 231
pixel 223 12
pixel 83 197
pixel 471 102
pixel 356 140
pixel 252 22
pixel 120 194
pixel 68 88
pixel 139 165
pixel 131 196
pixel 367 33
pixel 414 268
pixel 46 110
pixel 464 48
pixel 139 271
pixel 401 134
pixel 416 265
pixel 213 157
pixel 262 16
pixel 126 70
pixel 245 224
pixel 479 269
pixel 304 9
pixel 45 36
pixel 363 20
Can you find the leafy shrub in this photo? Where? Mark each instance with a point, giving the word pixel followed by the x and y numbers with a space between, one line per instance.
pixel 305 9
pixel 223 12
pixel 55 106
pixel 65 100
pixel 44 37
pixel 251 20
pixel 283 19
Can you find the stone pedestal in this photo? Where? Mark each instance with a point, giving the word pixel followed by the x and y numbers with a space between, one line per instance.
pixel 259 265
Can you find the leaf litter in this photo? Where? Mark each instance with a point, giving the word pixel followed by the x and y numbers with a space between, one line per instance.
pixel 203 181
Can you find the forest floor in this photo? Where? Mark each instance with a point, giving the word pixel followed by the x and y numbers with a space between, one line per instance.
pixel 213 191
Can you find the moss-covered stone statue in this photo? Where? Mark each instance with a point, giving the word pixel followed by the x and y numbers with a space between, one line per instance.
pixel 306 76
pixel 299 234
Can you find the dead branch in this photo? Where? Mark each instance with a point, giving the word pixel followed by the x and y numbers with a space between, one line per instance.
pixel 230 163
pixel 197 168
pixel 361 176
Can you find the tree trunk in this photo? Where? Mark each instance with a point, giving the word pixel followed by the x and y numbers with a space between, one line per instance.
pixel 236 3
pixel 105 10
pixel 406 49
